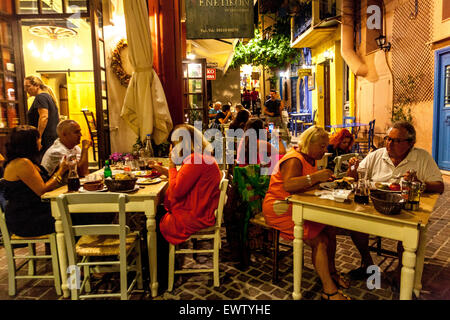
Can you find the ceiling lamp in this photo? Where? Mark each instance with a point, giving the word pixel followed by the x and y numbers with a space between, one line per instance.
pixel 52 32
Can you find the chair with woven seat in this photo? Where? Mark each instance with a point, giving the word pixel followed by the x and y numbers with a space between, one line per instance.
pixel 10 240
pixel 211 233
pixel 92 126
pixel 101 247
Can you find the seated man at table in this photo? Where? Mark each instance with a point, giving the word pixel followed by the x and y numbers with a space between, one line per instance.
pixel 399 158
pixel 69 136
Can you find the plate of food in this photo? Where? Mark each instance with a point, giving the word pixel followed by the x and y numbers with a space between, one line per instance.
pixel 344 184
pixel 387 187
pixel 147 174
pixel 148 180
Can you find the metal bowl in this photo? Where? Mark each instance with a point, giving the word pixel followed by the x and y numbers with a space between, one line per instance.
pixel 388 203
pixel 120 185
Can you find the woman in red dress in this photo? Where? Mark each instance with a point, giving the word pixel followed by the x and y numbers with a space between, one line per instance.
pixel 193 193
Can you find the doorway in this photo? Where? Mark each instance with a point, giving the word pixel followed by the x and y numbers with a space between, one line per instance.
pixel 72 62
pixel 441 126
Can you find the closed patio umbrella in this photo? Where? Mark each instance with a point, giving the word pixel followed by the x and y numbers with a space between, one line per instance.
pixel 145 106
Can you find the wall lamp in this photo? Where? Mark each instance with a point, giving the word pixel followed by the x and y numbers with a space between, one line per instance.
pixel 381 43
pixel 328 55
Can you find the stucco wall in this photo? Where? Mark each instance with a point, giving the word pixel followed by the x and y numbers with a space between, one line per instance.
pixel 226 86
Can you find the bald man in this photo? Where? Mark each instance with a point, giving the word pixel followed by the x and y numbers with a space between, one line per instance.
pixel 69 136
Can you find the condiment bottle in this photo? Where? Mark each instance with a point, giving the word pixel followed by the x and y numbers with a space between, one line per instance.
pixel 107 170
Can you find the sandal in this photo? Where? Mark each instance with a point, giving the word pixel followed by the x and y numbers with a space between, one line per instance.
pixel 340 281
pixel 329 295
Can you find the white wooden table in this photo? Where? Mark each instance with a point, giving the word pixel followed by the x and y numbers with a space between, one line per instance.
pixel 144 200
pixel 409 227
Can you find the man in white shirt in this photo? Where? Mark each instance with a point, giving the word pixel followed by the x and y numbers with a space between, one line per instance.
pixel 69 136
pixel 398 159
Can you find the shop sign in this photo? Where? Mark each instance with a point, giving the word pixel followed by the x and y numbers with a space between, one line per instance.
pixel 210 74
pixel 304 72
pixel 219 19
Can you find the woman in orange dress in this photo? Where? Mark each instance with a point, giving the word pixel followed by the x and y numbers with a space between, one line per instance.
pixel 295 173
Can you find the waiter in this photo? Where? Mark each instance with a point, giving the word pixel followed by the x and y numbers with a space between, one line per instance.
pixel 272 110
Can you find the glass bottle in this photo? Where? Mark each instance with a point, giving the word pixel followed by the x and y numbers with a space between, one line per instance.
pixel 107 173
pixel 73 180
pixel 148 149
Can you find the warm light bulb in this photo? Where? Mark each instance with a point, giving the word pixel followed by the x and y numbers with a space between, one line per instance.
pixel 76 61
pixel 77 50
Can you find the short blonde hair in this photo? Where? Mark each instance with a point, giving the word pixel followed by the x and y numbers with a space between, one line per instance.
pixel 310 135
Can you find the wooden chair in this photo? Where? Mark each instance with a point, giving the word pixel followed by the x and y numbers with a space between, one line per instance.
pixel 339 172
pixel 92 126
pixel 365 144
pixel 312 121
pixel 207 233
pixel 10 240
pixel 119 249
pixel 260 221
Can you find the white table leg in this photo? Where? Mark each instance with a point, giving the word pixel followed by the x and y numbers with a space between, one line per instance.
pixel 150 213
pixel 61 245
pixel 298 254
pixel 419 261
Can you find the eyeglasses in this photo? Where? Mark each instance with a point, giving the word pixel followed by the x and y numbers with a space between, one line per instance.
pixel 389 139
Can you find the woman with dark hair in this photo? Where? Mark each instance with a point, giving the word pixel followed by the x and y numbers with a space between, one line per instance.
pixel 340 143
pixel 43 113
pixel 240 120
pixel 25 181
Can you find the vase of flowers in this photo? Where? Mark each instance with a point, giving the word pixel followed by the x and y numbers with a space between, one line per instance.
pixel 119 157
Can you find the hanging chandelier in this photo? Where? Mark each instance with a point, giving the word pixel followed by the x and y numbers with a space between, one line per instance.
pixel 52 32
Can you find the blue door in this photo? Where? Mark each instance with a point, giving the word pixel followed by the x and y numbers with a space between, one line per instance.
pixel 441 128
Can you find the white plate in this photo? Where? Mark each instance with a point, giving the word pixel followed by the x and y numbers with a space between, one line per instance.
pixel 100 190
pixel 148 180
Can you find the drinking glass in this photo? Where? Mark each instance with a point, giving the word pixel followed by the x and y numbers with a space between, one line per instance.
pixel 362 191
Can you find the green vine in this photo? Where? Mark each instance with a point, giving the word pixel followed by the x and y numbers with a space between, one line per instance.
pixel 273 51
pixel 401 110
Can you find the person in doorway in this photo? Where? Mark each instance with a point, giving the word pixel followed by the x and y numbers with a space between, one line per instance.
pixel 255 98
pixel 272 109
pixel 398 159
pixel 296 172
pixel 69 137
pixel 246 99
pixel 43 113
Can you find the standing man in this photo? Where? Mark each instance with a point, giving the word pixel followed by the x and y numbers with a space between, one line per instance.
pixel 69 136
pixel 272 109
pixel 255 97
pixel 246 99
